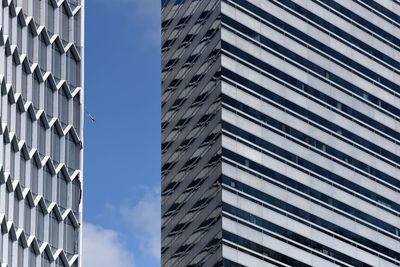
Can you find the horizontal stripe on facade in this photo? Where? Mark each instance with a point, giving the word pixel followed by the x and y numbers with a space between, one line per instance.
pixel 293 212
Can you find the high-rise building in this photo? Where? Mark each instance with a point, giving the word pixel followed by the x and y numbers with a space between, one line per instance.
pixel 41 103
pixel 280 133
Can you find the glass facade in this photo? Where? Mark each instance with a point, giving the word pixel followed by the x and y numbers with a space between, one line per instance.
pixel 297 106
pixel 41 134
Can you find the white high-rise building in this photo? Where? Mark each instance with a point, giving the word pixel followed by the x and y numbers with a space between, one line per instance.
pixel 280 133
pixel 41 113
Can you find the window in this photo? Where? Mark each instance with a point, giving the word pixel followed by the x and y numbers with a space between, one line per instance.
pixel 14 75
pixel 19 35
pixel 12 162
pixel 16 211
pixel 59 263
pixel 72 153
pixel 77 113
pixel 56 66
pixel 55 145
pixel 25 6
pixel 64 22
pixel 10 24
pixel 7 205
pixel 77 29
pixel 29 130
pixel 20 254
pixel 49 100
pixel 54 230
pixel 43 54
pixel 42 138
pixel 34 177
pixel 18 121
pixel 10 251
pixel 63 107
pixel 62 191
pixel 36 91
pixel 76 195
pixel 36 11
pixel 39 224
pixel 24 84
pixel 1 242
pixel 9 114
pixel 47 184
pixel 70 237
pixel 73 70
pixel 32 257
pixel 27 217
pixel 45 260
pixel 22 169
pixel 50 17
pixel 30 45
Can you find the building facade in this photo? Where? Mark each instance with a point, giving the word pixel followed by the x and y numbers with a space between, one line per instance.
pixel 41 112
pixel 280 133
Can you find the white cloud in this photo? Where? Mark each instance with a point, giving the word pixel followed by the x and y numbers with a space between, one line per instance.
pixel 104 248
pixel 144 217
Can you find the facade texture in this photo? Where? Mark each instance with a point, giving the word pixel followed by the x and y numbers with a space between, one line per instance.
pixel 41 104
pixel 281 133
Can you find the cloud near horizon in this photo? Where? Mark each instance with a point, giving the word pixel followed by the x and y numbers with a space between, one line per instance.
pixel 104 248
pixel 144 217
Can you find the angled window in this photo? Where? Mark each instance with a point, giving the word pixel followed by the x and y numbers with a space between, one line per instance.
pixel 77 113
pixel 64 23
pixel 42 138
pixel 63 107
pixel 76 195
pixel 77 29
pixel 27 217
pixel 72 154
pixel 43 54
pixel 22 169
pixel 70 237
pixel 55 145
pixel 14 75
pixel 12 162
pixel 20 254
pixel 31 45
pixel 45 260
pixel 50 17
pixel 62 191
pixel 36 11
pixel 18 121
pixel 36 91
pixel 24 83
pixel 34 177
pixel 47 184
pixel 32 257
pixel 19 35
pixel 10 250
pixel 39 223
pixel 25 6
pixel 49 100
pixel 74 72
pixel 56 64
pixel 10 28
pixel 16 211
pixel 54 230
pixel 29 130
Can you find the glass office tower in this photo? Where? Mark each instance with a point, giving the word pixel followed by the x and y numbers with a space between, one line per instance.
pixel 280 133
pixel 41 103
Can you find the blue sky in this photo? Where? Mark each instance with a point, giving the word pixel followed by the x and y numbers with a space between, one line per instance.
pixel 122 148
